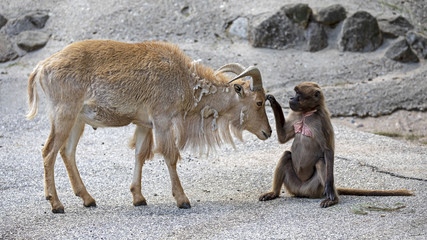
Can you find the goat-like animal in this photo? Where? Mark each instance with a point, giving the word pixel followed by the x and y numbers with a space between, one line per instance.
pixel 153 85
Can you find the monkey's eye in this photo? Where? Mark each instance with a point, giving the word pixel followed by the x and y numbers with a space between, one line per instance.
pixel 259 104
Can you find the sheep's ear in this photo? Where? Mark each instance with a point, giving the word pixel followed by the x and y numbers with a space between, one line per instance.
pixel 239 90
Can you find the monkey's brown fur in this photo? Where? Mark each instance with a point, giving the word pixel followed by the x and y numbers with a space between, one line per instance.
pixel 308 169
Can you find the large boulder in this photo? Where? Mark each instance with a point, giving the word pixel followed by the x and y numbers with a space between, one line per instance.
pixel 32 40
pixel 7 52
pixel 275 31
pixel 239 28
pixel 317 39
pixel 360 33
pixel 395 27
pixel 331 15
pixel 31 21
pixel 401 52
pixel 3 21
pixel 299 13
pixel 418 42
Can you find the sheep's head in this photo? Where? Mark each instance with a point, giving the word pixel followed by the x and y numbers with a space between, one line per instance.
pixel 250 115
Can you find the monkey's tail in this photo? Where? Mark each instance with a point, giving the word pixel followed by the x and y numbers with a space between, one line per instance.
pixel 363 192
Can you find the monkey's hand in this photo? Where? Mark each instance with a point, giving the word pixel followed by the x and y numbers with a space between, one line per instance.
pixel 331 198
pixel 268 196
pixel 273 102
pixel 329 191
pixel 271 98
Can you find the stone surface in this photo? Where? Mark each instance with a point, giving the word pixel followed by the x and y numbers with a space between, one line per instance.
pixel 275 31
pixel 299 13
pixel 418 42
pixel 401 52
pixel 239 28
pixel 31 21
pixel 7 52
pixel 317 39
pixel 32 40
pixel 360 33
pixel 380 96
pixel 331 15
pixel 3 21
pixel 395 27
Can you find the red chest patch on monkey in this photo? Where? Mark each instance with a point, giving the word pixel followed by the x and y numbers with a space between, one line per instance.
pixel 302 127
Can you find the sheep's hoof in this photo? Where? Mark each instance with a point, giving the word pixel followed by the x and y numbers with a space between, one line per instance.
pixel 185 206
pixel 59 210
pixel 91 204
pixel 140 203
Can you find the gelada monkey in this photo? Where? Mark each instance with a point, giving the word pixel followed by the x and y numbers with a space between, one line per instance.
pixel 308 169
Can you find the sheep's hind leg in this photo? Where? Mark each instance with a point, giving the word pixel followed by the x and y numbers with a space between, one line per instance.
pixel 61 125
pixel 68 153
pixel 143 143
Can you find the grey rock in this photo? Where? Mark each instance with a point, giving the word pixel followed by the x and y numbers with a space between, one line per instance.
pixel 395 27
pixel 401 52
pixel 31 21
pixel 299 13
pixel 7 52
pixel 360 33
pixel 239 28
pixel 418 42
pixel 3 21
pixel 379 97
pixel 331 15
pixel 32 40
pixel 39 19
pixel 275 31
pixel 317 39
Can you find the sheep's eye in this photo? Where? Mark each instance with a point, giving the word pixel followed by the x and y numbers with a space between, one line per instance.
pixel 259 104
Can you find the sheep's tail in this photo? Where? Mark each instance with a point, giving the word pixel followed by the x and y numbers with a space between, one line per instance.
pixel 33 97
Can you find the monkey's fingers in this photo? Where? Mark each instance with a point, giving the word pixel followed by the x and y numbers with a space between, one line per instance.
pixel 268 196
pixel 271 98
pixel 328 202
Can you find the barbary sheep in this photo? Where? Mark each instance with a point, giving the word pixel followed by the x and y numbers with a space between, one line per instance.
pixel 173 101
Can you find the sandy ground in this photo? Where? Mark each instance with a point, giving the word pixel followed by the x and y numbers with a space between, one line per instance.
pixel 223 187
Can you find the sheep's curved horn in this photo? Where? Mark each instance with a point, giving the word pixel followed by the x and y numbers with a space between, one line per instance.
pixel 256 83
pixel 235 68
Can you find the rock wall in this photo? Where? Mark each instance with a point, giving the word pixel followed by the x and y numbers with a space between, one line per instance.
pixel 22 34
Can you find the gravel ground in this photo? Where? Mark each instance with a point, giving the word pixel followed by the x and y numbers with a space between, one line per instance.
pixel 223 187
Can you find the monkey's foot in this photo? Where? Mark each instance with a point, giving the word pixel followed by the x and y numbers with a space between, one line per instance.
pixel 268 196
pixel 328 202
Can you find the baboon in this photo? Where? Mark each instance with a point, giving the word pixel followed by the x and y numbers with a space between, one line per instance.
pixel 308 169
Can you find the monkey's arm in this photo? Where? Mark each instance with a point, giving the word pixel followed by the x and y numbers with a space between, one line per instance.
pixel 330 191
pixel 285 132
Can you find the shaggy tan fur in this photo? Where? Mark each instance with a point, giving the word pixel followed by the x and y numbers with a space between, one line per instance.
pixel 175 102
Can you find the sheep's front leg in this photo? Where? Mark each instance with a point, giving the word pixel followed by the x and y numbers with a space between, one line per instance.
pixel 166 146
pixel 177 190
pixel 143 142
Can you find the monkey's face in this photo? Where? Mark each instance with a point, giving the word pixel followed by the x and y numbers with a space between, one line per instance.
pixel 308 97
